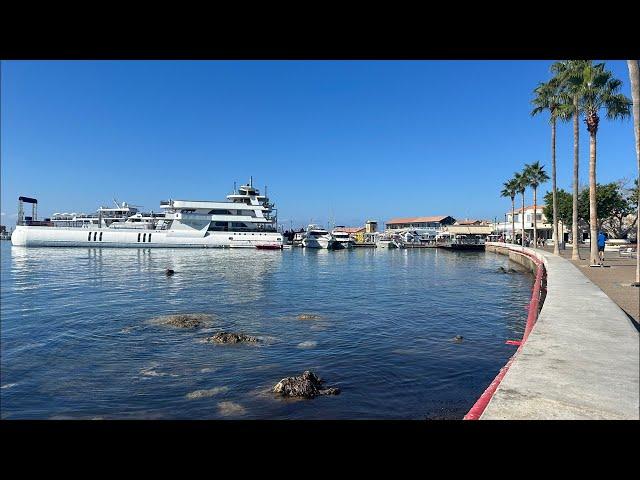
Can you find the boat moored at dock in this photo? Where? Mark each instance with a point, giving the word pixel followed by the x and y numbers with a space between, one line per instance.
pixel 246 220
pixel 317 237
pixel 452 241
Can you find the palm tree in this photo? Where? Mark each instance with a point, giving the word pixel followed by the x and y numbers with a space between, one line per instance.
pixel 597 89
pixel 535 175
pixel 510 189
pixel 521 182
pixel 634 77
pixel 568 109
pixel 548 98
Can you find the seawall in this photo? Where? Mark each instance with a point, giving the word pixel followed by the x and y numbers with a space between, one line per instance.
pixel 581 359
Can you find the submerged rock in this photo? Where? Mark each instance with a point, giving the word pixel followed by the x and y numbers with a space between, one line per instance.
pixel 183 320
pixel 230 409
pixel 229 337
pixel 458 339
pixel 307 385
pixel 206 393
pixel 308 316
pixel 168 272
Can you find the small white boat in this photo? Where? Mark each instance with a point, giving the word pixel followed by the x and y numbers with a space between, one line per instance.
pixel 317 237
pixel 341 239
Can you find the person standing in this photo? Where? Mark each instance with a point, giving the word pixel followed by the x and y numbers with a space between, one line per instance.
pixel 602 241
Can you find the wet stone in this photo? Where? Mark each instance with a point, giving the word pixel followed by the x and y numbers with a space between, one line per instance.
pixel 458 339
pixel 168 272
pixel 307 385
pixel 229 337
pixel 183 320
pixel 308 316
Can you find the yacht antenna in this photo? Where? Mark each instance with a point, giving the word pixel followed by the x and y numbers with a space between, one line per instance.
pixel 116 202
pixel 251 181
pixel 234 187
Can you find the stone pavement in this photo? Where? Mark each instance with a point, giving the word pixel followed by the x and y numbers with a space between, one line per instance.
pixel 614 280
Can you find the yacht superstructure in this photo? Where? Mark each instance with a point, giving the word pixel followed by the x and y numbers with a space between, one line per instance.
pixel 341 238
pixel 246 220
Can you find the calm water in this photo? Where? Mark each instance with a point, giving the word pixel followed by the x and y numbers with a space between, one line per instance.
pixel 77 341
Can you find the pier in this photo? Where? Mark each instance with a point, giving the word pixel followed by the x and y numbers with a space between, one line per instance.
pixel 580 360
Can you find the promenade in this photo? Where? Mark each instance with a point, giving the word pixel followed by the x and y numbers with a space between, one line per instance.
pixel 614 279
pixel 580 360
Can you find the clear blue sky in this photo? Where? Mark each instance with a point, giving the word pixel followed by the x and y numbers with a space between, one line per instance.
pixel 348 139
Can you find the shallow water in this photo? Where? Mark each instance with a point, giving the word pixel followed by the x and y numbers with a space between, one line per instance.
pixel 78 338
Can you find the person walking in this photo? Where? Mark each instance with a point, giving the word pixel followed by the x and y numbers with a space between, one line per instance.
pixel 602 241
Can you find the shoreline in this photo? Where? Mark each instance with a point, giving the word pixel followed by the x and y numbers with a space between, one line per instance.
pixel 580 359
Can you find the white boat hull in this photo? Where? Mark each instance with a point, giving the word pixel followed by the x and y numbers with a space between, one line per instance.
pixel 28 236
pixel 317 242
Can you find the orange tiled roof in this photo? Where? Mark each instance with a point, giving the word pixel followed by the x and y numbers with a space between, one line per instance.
pixel 350 229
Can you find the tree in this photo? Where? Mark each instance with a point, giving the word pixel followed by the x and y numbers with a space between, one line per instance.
pixel 597 90
pixel 535 175
pixel 634 77
pixel 548 98
pixel 614 205
pixel 510 189
pixel 564 202
pixel 521 183
pixel 570 109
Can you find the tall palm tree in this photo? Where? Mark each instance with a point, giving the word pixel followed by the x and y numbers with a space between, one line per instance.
pixel 548 98
pixel 597 89
pixel 521 182
pixel 535 175
pixel 570 109
pixel 510 189
pixel 634 77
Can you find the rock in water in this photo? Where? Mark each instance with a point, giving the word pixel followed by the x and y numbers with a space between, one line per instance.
pixel 307 385
pixel 168 272
pixel 183 320
pixel 227 337
pixel 308 316
pixel 458 338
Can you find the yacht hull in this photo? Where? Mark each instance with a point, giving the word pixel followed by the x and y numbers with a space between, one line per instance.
pixel 28 236
pixel 317 243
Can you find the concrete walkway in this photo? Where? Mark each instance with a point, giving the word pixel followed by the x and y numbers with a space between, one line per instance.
pixel 581 360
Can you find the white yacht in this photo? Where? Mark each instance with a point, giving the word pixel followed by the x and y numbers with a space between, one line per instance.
pixel 245 220
pixel 341 238
pixel 317 237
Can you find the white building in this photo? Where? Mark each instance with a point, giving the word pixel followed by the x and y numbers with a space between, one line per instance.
pixel 545 229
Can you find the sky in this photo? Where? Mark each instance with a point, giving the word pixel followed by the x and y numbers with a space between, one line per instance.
pixel 334 141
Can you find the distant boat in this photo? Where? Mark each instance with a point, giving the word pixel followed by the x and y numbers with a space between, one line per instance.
pixel 341 239
pixel 317 237
pixel 460 242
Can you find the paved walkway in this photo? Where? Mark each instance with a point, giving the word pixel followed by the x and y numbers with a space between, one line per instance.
pixel 614 280
pixel 580 360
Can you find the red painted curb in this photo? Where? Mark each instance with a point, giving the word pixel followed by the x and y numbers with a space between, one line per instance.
pixel 478 408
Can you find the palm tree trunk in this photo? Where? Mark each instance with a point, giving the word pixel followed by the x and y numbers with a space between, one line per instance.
pixel 535 222
pixel 556 247
pixel 513 220
pixel 593 209
pixel 575 255
pixel 522 219
pixel 634 76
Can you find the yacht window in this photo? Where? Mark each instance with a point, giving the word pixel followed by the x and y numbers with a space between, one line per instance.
pixel 138 237
pixel 149 237
pixel 100 236
pixel 220 212
pixel 89 238
pixel 95 234
pixel 144 237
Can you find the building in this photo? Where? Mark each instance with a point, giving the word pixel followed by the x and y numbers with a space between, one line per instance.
pixel 545 229
pixel 420 223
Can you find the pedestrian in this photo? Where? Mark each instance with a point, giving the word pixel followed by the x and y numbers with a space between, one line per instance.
pixel 602 241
